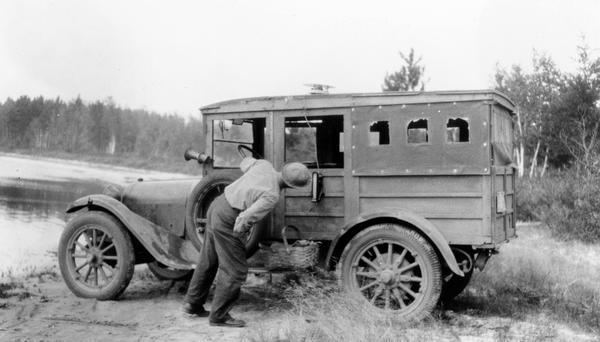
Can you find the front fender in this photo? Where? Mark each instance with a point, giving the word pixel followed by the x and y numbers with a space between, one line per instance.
pixel 421 224
pixel 166 247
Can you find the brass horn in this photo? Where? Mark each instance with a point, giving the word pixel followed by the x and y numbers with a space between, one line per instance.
pixel 191 154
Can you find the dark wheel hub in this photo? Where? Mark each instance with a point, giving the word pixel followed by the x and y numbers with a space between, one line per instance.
pixel 94 257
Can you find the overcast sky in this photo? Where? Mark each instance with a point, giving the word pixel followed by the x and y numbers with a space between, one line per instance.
pixel 175 56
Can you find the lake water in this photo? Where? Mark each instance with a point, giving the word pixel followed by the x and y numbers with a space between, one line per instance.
pixel 34 194
pixel 31 220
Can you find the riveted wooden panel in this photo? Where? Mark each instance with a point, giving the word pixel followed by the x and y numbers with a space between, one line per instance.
pixel 453 207
pixel 421 185
pixel 435 155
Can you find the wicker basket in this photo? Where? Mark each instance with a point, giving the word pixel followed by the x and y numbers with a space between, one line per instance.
pixel 301 254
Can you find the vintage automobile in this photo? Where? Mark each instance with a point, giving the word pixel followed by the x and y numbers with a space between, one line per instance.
pixel 411 192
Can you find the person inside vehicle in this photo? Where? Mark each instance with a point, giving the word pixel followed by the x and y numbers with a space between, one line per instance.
pixel 244 202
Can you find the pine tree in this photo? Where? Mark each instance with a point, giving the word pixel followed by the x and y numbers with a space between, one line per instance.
pixel 410 76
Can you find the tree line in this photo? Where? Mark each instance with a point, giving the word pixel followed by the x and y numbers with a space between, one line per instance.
pixel 558 114
pixel 100 127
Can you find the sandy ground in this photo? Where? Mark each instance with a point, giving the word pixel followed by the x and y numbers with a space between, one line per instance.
pixel 45 310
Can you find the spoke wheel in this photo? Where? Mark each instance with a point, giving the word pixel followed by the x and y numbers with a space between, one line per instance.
pixel 393 268
pixel 96 256
pixel 199 201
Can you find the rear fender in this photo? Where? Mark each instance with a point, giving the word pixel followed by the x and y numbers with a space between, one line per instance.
pixel 166 247
pixel 419 223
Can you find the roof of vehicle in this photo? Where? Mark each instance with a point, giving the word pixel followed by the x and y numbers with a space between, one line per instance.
pixel 299 102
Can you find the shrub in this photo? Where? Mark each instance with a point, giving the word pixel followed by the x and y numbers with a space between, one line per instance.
pixel 568 203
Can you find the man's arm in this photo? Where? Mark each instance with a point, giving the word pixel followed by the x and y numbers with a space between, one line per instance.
pixel 255 212
pixel 247 163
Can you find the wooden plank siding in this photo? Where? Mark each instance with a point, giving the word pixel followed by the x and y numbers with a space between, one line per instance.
pixel 456 205
pixel 321 220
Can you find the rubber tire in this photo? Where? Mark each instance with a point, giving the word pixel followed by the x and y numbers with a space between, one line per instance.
pixel 123 245
pixel 415 243
pixel 200 191
pixel 454 287
pixel 163 272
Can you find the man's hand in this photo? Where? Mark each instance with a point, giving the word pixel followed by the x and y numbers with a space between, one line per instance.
pixel 241 225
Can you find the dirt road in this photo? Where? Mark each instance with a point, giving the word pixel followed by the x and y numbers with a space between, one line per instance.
pixel 43 309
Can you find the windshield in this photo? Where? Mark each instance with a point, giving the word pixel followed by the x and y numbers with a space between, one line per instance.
pixel 229 134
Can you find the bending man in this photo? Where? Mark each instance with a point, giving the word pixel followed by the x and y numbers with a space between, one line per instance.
pixel 244 202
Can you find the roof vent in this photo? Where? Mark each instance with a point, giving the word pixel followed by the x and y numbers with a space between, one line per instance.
pixel 316 88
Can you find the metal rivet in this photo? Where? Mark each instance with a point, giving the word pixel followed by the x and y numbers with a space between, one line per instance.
pixel 455 170
pixel 379 107
pixel 352 108
pixel 353 126
pixel 429 105
pixel 439 111
pixel 353 171
pixel 353 146
pixel 484 144
pixel 485 170
pixel 403 106
pixel 485 123
pixel 453 103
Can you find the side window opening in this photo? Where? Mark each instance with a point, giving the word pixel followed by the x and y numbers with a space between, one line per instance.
pixel 457 130
pixel 417 131
pixel 228 134
pixel 320 136
pixel 379 133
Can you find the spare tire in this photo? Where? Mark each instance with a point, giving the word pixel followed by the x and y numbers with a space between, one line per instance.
pixel 199 200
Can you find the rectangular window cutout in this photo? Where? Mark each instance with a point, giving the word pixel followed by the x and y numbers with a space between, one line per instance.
pixel 457 130
pixel 309 137
pixel 417 132
pixel 379 133
pixel 229 134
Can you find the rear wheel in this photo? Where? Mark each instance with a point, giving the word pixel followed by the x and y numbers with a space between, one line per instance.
pixel 394 268
pixel 96 256
pixel 205 192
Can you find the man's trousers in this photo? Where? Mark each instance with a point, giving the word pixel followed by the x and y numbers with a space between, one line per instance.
pixel 223 255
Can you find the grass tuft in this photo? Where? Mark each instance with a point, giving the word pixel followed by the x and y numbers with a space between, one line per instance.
pixel 536 274
pixel 534 288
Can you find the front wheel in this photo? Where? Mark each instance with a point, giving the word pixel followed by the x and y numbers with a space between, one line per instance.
pixel 96 256
pixel 394 268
